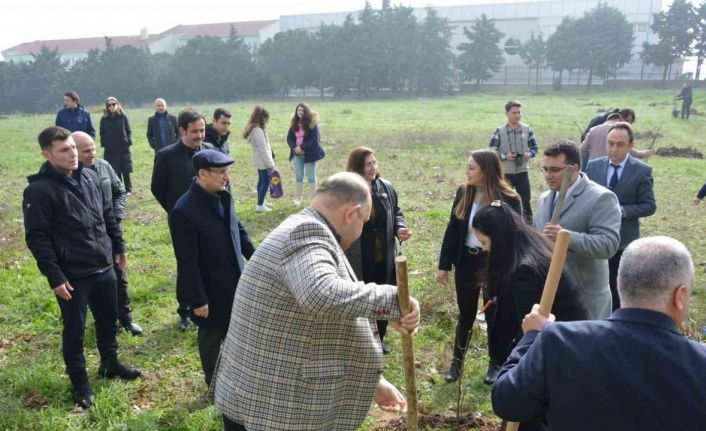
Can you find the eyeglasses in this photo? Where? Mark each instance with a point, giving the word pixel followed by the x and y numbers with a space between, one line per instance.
pixel 371 164
pixel 112 104
pixel 221 172
pixel 553 169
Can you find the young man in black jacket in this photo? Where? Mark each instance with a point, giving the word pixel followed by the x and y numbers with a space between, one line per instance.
pixel 72 233
pixel 217 132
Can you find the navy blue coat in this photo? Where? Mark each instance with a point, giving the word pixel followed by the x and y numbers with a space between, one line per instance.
pixel 632 371
pixel 311 144
pixel 209 249
pixel 75 120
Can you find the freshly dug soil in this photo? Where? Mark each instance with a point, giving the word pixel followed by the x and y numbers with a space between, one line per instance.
pixel 689 153
pixel 435 421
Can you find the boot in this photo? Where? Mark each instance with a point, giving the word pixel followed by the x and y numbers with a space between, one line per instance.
pixel 454 371
pixel 492 374
pixel 113 368
pixel 131 326
pixel 81 389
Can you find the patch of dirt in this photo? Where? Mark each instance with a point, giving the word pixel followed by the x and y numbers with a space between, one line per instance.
pixel 689 153
pixel 33 400
pixel 436 421
pixel 648 135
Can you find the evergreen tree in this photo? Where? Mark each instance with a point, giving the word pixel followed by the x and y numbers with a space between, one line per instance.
pixel 675 29
pixel 481 56
pixel 434 57
pixel 534 54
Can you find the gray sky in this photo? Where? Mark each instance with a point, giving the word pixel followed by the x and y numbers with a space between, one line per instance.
pixel 30 20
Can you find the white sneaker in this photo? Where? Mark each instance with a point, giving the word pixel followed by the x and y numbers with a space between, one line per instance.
pixel 262 209
pixel 267 205
pixel 298 202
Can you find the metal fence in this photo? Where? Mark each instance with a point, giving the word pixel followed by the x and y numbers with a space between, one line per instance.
pixel 637 70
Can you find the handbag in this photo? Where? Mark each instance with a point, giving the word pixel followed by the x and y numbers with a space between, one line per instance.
pixel 276 190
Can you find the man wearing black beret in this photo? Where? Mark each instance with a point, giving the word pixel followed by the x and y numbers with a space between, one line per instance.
pixel 209 244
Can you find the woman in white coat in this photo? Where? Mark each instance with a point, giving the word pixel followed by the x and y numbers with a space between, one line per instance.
pixel 261 153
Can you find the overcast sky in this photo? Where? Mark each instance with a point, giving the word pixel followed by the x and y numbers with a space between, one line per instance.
pixel 30 20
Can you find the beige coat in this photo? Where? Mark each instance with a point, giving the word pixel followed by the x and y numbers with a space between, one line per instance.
pixel 261 150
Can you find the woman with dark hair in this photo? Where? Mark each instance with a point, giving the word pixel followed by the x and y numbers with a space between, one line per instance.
pixel 461 249
pixel 262 155
pixel 517 265
pixel 116 138
pixel 305 149
pixel 373 255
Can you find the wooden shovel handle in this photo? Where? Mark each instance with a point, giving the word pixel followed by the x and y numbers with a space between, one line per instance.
pixel 407 346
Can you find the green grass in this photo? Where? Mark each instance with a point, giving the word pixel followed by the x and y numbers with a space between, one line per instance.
pixel 421 145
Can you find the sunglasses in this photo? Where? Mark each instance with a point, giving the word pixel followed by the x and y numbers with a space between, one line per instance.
pixel 112 104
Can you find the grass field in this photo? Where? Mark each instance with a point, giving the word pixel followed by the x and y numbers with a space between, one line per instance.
pixel 421 145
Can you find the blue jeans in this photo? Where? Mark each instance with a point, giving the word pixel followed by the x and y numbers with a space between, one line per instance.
pixel 300 166
pixel 263 182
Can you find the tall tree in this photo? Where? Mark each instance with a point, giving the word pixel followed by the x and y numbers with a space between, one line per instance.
pixel 675 29
pixel 434 57
pixel 534 54
pixel 563 47
pixel 700 37
pixel 481 56
pixel 40 81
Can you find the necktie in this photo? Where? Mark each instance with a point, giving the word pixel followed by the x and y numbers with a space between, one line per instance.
pixel 614 178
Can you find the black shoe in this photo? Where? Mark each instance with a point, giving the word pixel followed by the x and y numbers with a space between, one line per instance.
pixel 385 348
pixel 83 395
pixel 131 326
pixel 492 374
pixel 454 372
pixel 184 323
pixel 116 369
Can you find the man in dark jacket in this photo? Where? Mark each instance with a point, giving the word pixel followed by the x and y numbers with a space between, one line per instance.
pixel 209 244
pixel 162 129
pixel 173 173
pixel 72 233
pixel 632 371
pixel 113 192
pixel 627 114
pixel 73 116
pixel 217 132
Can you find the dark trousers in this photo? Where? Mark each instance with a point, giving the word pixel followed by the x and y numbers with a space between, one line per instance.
pixel 210 340
pixel 229 425
pixel 378 275
pixel 124 312
pixel 184 308
pixel 521 183
pixel 98 293
pixel 613 264
pixel 468 288
pixel 263 182
pixel 685 108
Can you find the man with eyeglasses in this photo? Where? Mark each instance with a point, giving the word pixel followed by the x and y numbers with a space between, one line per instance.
pixel 592 214
pixel 209 244
pixel 173 173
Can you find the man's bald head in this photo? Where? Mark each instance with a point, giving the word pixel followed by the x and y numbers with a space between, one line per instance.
pixel 86 148
pixel 160 105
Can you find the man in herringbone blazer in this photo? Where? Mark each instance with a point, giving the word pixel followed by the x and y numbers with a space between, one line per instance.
pixel 300 352
pixel 631 181
pixel 592 214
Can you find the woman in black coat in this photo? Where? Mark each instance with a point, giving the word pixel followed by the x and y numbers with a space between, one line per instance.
pixel 461 249
pixel 116 138
pixel 373 256
pixel 517 266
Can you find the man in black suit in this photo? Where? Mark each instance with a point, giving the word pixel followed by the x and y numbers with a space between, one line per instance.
pixel 162 129
pixel 173 173
pixel 209 244
pixel 631 181
pixel 633 371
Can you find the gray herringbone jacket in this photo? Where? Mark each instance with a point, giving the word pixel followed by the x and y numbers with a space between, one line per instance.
pixel 300 352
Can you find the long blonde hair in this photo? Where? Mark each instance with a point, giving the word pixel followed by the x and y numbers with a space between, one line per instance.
pixel 496 187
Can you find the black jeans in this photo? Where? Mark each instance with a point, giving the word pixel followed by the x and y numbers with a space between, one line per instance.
pixel 210 341
pixel 124 312
pixel 229 425
pixel 467 290
pixel 685 108
pixel 98 293
pixel 613 264
pixel 521 183
pixel 263 183
pixel 378 276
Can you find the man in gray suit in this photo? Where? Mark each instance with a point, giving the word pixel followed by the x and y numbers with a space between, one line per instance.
pixel 300 352
pixel 592 214
pixel 631 181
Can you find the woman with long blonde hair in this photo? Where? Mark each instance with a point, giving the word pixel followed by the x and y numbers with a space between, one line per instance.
pixel 116 139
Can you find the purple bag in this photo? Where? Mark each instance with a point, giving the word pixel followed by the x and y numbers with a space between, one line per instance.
pixel 275 184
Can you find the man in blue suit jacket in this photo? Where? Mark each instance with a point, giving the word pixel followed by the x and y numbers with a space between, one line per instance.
pixel 209 244
pixel 631 181
pixel 633 371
